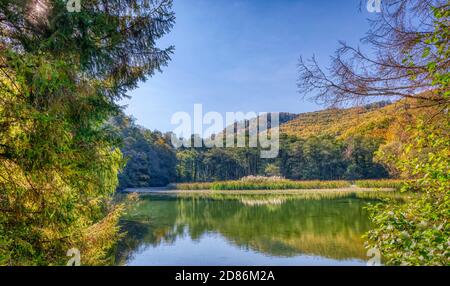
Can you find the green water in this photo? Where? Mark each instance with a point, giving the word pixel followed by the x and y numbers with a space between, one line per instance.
pixel 244 230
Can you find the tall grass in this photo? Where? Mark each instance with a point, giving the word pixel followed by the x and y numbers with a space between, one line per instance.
pixel 260 184
pixel 279 185
pixel 278 196
pixel 191 186
pixel 381 184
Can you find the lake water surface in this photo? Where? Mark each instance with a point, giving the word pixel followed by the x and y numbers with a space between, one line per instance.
pixel 246 230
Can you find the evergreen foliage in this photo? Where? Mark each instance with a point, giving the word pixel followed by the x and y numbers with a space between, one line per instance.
pixel 60 75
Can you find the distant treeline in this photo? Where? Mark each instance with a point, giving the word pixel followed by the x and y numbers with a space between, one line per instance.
pixel 153 161
pixel 315 158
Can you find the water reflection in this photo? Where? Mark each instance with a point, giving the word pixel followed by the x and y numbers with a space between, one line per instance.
pixel 244 229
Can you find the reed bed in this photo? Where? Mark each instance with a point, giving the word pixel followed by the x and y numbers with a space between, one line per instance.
pixel 191 186
pixel 381 184
pixel 285 195
pixel 281 184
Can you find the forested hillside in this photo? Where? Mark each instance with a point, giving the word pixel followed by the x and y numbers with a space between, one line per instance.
pixel 330 144
pixel 151 159
pixel 371 120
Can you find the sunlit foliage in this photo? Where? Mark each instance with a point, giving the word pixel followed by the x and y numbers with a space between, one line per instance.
pixel 60 74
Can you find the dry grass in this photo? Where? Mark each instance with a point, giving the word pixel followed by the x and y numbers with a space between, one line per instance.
pixel 381 184
pixel 263 184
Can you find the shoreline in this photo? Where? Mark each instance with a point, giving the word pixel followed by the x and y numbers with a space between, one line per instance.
pixel 166 191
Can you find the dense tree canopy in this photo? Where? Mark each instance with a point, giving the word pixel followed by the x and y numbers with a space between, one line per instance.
pixel 316 157
pixel 60 74
pixel 151 158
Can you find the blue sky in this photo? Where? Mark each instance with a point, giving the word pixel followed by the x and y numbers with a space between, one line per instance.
pixel 242 55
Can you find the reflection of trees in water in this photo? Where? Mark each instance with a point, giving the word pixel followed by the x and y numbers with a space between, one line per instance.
pixel 330 227
pixel 263 202
pixel 150 223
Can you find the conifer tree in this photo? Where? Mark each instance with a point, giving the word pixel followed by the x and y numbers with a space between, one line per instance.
pixel 61 74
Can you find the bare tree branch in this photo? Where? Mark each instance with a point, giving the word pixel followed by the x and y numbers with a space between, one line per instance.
pixel 393 66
